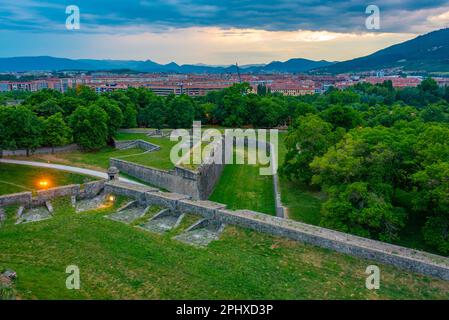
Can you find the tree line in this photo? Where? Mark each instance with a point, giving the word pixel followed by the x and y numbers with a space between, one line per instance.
pixel 382 157
pixel 50 118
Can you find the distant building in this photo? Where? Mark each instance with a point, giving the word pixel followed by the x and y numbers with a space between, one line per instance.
pixel 293 89
pixel 397 82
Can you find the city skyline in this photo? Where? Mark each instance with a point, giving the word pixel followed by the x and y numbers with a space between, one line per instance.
pixel 212 32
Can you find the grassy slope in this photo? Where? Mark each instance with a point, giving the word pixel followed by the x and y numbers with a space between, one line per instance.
pixel 242 187
pixel 303 203
pixel 118 261
pixel 18 178
pixel 158 159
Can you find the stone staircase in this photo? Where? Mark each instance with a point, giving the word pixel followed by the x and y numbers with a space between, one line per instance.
pixel 164 221
pixel 202 233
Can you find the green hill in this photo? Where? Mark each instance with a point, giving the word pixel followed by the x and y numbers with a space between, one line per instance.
pixel 429 52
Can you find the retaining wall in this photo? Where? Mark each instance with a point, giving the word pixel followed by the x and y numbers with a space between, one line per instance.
pixel 88 190
pixel 17 198
pixel 23 153
pixel 45 195
pixel 125 144
pixel 178 180
pixel 409 259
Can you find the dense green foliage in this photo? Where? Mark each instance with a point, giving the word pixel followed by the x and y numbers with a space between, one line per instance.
pixel 382 157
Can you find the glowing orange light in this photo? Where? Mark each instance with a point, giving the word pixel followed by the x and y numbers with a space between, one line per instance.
pixel 111 198
pixel 43 183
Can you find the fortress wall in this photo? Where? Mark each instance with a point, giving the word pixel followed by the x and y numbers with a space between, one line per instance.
pixel 405 258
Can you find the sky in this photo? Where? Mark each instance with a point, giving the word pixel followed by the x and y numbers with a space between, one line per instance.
pixel 214 32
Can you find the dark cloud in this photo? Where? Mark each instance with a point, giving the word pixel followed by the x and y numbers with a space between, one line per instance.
pixel 101 15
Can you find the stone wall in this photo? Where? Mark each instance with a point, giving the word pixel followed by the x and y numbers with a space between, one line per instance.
pixel 144 145
pixel 197 184
pixel 17 198
pixel 178 180
pixel 45 195
pixel 91 189
pixel 409 259
pixel 88 190
pixel 23 153
pixel 210 172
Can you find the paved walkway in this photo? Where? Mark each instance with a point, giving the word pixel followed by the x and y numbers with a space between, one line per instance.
pixel 79 170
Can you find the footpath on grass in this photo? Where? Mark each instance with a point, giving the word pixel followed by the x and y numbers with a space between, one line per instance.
pixel 79 170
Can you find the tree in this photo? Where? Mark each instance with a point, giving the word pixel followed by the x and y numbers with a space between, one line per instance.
pixel 153 112
pixel 356 209
pixel 86 94
pixel 429 85
pixel 42 96
pixel 56 132
pixel 6 140
pixel 114 114
pixel 129 116
pixel 89 125
pixel 69 104
pixel 433 183
pixel 342 116
pixel 436 233
pixel 361 174
pixel 181 111
pixel 47 108
pixel 25 128
pixel 263 90
pixel 129 109
pixel 437 112
pixel 309 137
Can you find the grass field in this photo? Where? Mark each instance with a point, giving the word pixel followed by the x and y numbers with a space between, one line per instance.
pixel 119 261
pixel 303 203
pixel 242 187
pixel 18 178
pixel 99 160
pixel 157 159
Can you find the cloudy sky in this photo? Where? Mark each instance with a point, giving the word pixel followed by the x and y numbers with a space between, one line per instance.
pixel 212 31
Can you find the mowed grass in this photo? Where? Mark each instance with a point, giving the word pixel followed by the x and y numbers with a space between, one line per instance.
pixel 19 178
pixel 119 261
pixel 302 202
pixel 242 187
pixel 96 160
pixel 157 159
pixel 99 160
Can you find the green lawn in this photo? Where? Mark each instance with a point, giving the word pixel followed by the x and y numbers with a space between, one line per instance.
pixel 119 261
pixel 19 178
pixel 242 187
pixel 99 160
pixel 303 203
pixel 158 159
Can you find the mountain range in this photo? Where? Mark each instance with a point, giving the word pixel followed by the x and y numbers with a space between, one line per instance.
pixel 45 63
pixel 428 53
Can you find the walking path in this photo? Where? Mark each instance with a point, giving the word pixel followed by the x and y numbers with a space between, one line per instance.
pixel 79 170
